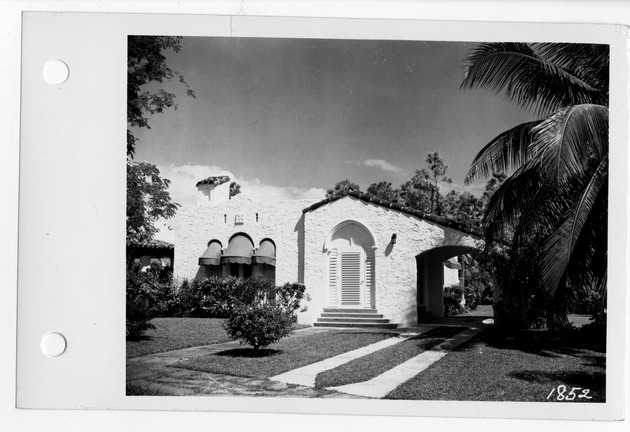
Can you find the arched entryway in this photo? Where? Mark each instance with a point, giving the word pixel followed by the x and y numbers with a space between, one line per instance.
pixel 430 279
pixel 350 266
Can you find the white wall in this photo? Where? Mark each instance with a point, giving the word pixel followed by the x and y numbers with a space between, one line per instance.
pixel 195 226
pixel 451 276
pixel 396 273
pixel 300 254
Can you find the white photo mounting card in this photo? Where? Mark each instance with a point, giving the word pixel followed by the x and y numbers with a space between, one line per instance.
pixel 313 215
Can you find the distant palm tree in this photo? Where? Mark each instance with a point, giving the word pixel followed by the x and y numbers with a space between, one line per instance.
pixel 557 194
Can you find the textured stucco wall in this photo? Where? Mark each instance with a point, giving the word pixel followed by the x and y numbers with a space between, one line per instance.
pixel 300 240
pixel 395 264
pixel 195 226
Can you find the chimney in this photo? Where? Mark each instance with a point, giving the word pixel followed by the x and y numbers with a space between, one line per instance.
pixel 213 190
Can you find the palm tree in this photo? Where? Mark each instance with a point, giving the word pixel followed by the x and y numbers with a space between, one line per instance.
pixel 556 198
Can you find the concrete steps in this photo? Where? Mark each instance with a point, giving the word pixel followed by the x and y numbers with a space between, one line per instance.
pixel 353 318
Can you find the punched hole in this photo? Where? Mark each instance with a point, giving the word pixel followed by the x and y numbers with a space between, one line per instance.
pixel 53 344
pixel 56 72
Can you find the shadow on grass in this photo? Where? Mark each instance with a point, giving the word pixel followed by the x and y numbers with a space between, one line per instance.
pixel 546 343
pixel 138 338
pixel 593 380
pixel 249 352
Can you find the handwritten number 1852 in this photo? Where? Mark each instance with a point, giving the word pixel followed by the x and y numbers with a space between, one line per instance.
pixel 563 395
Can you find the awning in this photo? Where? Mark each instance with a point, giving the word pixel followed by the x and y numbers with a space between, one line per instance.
pixel 266 253
pixel 212 255
pixel 239 251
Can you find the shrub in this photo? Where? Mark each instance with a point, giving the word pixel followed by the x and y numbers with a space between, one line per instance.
pixel 289 296
pixel 453 300
pixel 189 298
pixel 139 315
pixel 149 295
pixel 258 325
pixel 219 297
pixel 587 301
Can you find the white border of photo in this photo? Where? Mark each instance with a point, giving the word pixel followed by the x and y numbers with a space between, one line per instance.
pixel 71 257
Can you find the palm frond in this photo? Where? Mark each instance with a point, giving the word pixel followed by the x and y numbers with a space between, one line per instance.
pixel 509 201
pixel 504 153
pixel 590 62
pixel 559 247
pixel 542 211
pixel 536 77
pixel 570 141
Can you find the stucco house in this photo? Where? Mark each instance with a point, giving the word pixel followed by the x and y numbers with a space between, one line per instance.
pixel 362 260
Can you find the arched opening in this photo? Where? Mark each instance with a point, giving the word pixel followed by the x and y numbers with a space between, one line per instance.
pixel 210 261
pixel 431 270
pixel 350 264
pixel 237 258
pixel 264 260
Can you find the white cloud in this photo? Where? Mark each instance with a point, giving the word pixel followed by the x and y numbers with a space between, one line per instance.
pixel 379 163
pixel 184 178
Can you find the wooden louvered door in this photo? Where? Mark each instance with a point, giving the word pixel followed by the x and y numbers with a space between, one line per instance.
pixel 352 286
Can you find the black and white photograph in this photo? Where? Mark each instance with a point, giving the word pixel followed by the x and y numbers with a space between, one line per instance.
pixel 285 221
pixel 367 219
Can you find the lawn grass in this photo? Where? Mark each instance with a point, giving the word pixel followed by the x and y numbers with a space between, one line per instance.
pixel 284 355
pixel 178 333
pixel 525 367
pixel 374 364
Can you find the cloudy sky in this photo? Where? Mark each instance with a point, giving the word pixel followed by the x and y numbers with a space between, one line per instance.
pixel 288 118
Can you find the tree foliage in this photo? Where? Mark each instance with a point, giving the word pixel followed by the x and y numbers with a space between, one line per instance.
pixel 146 63
pixel 463 207
pixel 235 189
pixel 384 191
pixel 556 198
pixel 148 200
pixel 341 188
pixel 437 174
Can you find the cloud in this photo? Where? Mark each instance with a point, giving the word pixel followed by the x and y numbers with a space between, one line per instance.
pixel 184 178
pixel 379 163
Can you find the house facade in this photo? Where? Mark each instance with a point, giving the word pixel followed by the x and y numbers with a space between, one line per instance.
pixel 353 253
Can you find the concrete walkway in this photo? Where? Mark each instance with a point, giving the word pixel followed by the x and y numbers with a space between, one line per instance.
pixel 306 375
pixel 381 385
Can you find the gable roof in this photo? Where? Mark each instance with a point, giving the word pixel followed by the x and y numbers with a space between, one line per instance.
pixel 440 220
pixel 214 180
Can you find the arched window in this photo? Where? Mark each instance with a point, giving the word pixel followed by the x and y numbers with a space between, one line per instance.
pixel 211 259
pixel 264 260
pixel 238 256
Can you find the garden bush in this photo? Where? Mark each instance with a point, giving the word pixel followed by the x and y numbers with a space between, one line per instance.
pixel 289 296
pixel 453 300
pixel 587 301
pixel 258 325
pixel 139 316
pixel 149 294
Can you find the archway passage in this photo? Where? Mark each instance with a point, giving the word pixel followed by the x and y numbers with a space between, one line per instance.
pixel 430 279
pixel 350 263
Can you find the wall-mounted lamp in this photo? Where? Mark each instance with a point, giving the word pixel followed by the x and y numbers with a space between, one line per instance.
pixel 393 238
